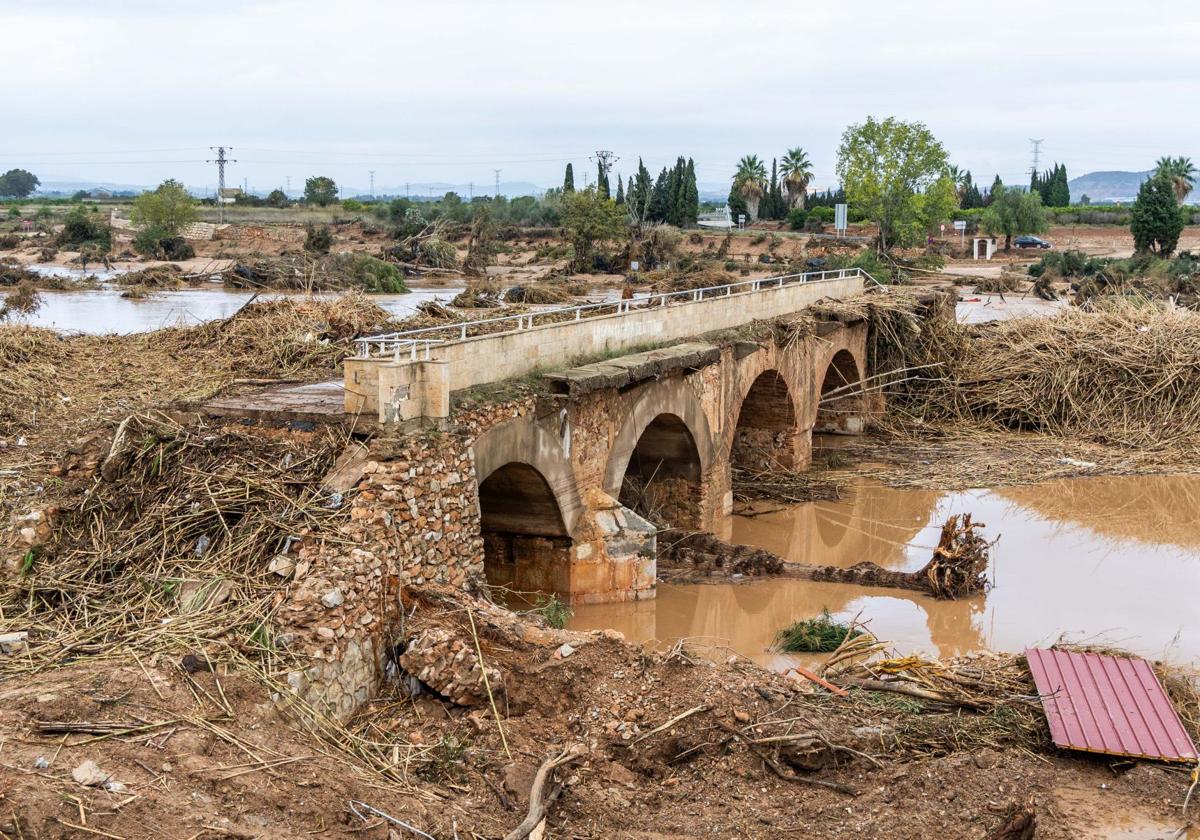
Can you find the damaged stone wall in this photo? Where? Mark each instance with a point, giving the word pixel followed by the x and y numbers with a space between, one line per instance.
pixel 414 519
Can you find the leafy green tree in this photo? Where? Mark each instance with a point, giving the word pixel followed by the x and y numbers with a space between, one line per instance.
pixel 1155 220
pixel 320 190
pixel 168 208
pixel 17 183
pixel 590 219
pixel 1180 171
pixel 79 195
pixel 1013 213
pixel 748 183
pixel 569 179
pixel 797 174
pixel 895 173
pixel 277 198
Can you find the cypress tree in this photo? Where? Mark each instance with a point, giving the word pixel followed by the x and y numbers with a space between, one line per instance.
pixel 1155 220
pixel 659 199
pixel 1059 190
pixel 639 191
pixel 601 179
pixel 569 179
pixel 620 190
pixel 997 186
pixel 691 196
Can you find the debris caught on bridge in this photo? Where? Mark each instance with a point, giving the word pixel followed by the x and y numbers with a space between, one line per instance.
pixel 957 569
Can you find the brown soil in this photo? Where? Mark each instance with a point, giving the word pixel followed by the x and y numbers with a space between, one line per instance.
pixel 211 756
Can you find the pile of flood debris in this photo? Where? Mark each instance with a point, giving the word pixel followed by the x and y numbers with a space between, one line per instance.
pixel 957 569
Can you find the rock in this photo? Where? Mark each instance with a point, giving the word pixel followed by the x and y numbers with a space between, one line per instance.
pixel 613 635
pixel 518 779
pixel 89 774
pixel 325 632
pixel 41 763
pixel 282 565
pixel 13 643
pixel 564 651
pixel 741 715
pixel 450 667
pixel 333 598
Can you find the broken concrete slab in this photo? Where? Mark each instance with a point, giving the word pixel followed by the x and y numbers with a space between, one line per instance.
pixel 634 368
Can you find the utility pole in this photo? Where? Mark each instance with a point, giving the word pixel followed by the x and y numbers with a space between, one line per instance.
pixel 220 161
pixel 287 191
pixel 406 189
pixel 470 191
pixel 1037 151
pixel 497 171
pixel 372 173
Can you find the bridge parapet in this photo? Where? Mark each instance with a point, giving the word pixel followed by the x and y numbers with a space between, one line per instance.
pixel 410 375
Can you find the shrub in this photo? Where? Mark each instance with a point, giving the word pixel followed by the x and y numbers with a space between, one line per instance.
pixel 820 634
pixel 318 239
pixel 556 612
pixel 373 275
pixel 81 231
pixel 796 217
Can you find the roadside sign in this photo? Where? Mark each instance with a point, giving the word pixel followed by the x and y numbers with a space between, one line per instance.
pixel 741 220
pixel 633 266
pixel 839 218
pixel 960 225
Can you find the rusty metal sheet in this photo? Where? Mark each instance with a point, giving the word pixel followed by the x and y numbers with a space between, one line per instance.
pixel 1108 704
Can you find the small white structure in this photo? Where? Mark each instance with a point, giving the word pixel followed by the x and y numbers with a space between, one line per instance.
pixel 982 248
pixel 721 219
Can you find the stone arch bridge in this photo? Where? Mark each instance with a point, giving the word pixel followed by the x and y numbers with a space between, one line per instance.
pixel 657 430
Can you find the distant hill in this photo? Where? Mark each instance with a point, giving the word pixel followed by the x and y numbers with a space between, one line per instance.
pixel 1103 187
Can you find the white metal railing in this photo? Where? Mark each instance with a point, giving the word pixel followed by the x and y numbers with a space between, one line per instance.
pixel 416 344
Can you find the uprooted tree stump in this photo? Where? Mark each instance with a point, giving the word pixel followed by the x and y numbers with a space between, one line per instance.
pixel 958 567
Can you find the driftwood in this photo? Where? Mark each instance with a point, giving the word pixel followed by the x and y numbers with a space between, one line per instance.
pixel 545 790
pixel 957 568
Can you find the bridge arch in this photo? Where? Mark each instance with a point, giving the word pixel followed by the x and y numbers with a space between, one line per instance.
pixel 839 406
pixel 665 441
pixel 529 507
pixel 766 431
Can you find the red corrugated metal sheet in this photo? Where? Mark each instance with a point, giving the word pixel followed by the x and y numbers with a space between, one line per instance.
pixel 1108 704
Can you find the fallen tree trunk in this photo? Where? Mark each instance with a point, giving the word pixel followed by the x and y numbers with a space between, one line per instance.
pixel 957 569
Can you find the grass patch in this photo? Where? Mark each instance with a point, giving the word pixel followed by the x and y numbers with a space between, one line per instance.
pixel 819 634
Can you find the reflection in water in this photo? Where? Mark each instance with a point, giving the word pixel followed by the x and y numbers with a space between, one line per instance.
pixel 1062 566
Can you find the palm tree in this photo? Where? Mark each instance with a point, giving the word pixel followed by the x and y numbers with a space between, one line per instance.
pixel 796 169
pixel 748 181
pixel 1181 172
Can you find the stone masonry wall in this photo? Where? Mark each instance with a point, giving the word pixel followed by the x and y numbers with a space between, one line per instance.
pixel 414 519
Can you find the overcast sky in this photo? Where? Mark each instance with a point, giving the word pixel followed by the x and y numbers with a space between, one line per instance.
pixel 449 90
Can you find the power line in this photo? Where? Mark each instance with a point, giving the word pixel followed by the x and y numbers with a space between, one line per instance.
pixel 220 161
pixel 372 174
pixel 497 171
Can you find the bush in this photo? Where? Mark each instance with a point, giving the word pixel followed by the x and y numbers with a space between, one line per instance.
pixel 820 634
pixel 352 205
pixel 373 275
pixel 825 214
pixel 813 223
pixel 796 217
pixel 318 239
pixel 147 240
pixel 81 231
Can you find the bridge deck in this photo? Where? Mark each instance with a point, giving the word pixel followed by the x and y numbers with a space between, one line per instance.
pixel 319 402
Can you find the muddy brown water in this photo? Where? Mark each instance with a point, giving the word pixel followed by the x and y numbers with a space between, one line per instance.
pixel 1112 560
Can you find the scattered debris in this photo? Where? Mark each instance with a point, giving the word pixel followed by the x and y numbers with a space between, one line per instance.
pixel 449 666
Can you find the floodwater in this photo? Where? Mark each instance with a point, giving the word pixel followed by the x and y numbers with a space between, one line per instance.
pixel 1112 560
pixel 103 311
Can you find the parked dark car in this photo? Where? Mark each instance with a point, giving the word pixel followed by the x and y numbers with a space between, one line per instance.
pixel 1030 242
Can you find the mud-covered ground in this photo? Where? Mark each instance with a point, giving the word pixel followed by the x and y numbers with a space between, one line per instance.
pixel 208 754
